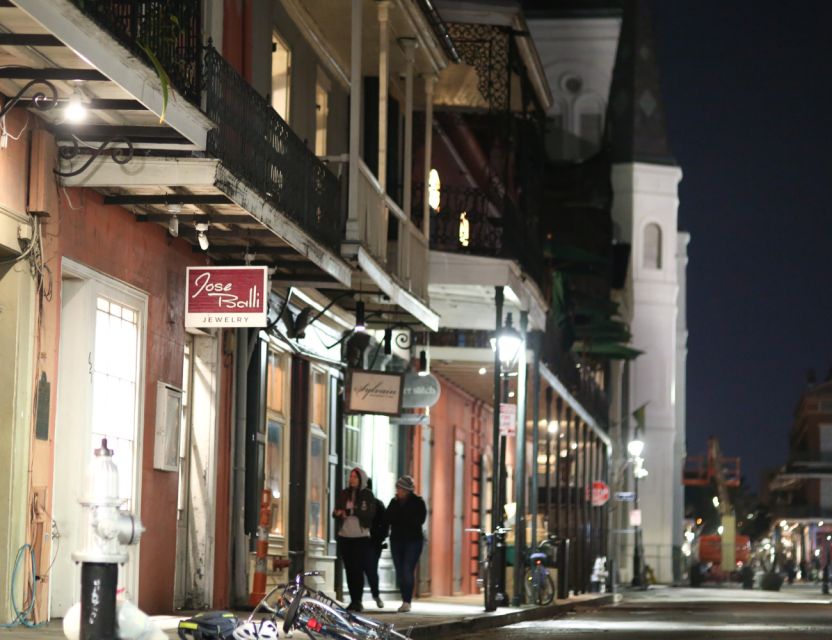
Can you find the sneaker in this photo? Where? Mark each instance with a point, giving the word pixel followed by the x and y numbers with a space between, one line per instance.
pixel 379 603
pixel 405 607
pixel 355 608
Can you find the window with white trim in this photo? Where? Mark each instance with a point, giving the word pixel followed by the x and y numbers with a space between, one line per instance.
pixel 277 445
pixel 281 76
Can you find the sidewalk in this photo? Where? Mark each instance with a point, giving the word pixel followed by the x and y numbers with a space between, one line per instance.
pixel 430 617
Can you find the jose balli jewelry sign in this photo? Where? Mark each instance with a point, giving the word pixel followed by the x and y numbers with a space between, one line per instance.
pixel 374 392
pixel 226 297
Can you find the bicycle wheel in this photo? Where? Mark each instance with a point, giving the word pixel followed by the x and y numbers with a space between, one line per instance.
pixel 546 589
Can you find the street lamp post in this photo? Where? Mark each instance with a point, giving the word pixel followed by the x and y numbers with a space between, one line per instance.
pixel 506 344
pixel 635 448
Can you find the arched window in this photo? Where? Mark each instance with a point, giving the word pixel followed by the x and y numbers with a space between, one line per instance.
pixel 652 250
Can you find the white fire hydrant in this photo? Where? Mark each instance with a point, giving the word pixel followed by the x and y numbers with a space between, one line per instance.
pixel 108 529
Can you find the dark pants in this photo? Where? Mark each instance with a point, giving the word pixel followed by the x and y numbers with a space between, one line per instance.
pixel 405 558
pixel 372 569
pixel 355 552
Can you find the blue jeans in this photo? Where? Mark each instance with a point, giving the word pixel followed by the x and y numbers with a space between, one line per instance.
pixel 405 558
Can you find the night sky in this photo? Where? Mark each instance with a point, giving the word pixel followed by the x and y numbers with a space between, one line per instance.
pixel 749 109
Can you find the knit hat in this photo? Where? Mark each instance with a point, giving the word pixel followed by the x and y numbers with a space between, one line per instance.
pixel 406 483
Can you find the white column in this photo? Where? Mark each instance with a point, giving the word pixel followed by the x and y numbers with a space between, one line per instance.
pixel 409 47
pixel 383 87
pixel 353 229
pixel 429 82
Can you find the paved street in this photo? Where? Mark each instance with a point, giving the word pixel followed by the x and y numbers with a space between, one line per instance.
pixel 683 614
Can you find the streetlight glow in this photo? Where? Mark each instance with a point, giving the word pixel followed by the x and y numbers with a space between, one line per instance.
pixel 509 341
pixel 635 448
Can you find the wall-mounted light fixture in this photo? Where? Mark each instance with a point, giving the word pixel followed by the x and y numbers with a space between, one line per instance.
pixel 173 223
pixel 423 363
pixel 360 323
pixel 202 238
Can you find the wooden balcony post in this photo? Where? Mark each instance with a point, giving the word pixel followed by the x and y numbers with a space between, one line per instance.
pixel 409 47
pixel 353 232
pixel 430 81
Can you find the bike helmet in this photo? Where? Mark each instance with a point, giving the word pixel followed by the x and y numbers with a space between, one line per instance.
pixel 256 630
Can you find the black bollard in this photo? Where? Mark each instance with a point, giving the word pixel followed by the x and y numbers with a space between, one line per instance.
pixel 99 582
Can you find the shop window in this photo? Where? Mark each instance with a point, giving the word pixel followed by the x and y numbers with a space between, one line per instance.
pixel 321 117
pixel 652 250
pixel 352 446
pixel 274 473
pixel 281 76
pixel 277 445
pixel 319 415
pixel 317 494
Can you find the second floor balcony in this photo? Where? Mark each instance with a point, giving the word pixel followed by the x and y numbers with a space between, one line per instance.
pixel 471 221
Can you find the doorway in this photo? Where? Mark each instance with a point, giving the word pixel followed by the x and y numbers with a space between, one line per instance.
pixel 196 508
pixel 100 391
pixel 459 513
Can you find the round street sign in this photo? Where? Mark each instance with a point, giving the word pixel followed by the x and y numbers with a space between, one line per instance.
pixel 420 391
pixel 600 493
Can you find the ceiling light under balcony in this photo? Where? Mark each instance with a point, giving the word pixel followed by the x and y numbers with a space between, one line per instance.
pixel 76 110
pixel 201 235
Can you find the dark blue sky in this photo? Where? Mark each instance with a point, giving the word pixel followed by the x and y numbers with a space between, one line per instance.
pixel 748 98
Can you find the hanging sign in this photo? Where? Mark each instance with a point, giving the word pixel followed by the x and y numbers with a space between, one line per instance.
pixel 226 297
pixel 600 493
pixel 508 419
pixel 374 392
pixel 420 391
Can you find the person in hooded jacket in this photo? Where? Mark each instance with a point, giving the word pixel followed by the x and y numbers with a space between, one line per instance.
pixel 406 514
pixel 354 510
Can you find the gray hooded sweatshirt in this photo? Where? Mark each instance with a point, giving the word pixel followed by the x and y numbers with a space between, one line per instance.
pixel 360 507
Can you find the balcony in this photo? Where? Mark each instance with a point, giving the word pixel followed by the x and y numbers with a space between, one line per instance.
pixel 257 146
pixel 167 33
pixel 392 240
pixel 470 220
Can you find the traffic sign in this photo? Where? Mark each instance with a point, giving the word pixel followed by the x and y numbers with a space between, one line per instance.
pixel 600 493
pixel 625 496
pixel 508 419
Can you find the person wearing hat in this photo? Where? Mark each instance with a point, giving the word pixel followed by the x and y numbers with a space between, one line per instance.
pixel 355 508
pixel 406 514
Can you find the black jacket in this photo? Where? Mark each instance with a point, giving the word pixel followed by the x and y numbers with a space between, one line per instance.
pixel 380 529
pixel 406 518
pixel 364 509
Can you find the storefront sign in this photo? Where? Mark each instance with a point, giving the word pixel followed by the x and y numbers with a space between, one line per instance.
pixel 508 419
pixel 600 493
pixel 372 392
pixel 420 391
pixel 226 297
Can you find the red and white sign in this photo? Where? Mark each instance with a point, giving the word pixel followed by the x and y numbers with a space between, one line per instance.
pixel 226 297
pixel 600 493
pixel 508 419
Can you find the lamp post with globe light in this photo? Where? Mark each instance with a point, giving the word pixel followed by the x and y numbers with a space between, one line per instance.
pixel 506 345
pixel 635 448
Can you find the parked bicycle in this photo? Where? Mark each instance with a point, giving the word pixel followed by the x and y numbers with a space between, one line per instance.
pixel 540 588
pixel 487 579
pixel 312 612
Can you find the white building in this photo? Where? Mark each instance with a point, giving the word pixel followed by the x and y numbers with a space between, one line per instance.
pixel 602 68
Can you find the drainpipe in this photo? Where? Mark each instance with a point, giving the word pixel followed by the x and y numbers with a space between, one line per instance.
pixel 239 591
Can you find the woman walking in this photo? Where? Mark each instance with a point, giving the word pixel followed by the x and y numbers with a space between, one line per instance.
pixel 354 511
pixel 406 514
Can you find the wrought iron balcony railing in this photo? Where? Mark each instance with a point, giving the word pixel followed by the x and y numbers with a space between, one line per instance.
pixel 170 32
pixel 470 220
pixel 257 145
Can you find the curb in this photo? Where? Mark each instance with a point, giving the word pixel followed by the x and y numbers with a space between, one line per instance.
pixel 480 623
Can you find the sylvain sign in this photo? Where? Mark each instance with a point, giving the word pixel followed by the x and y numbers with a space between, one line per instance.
pixel 226 297
pixel 373 392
